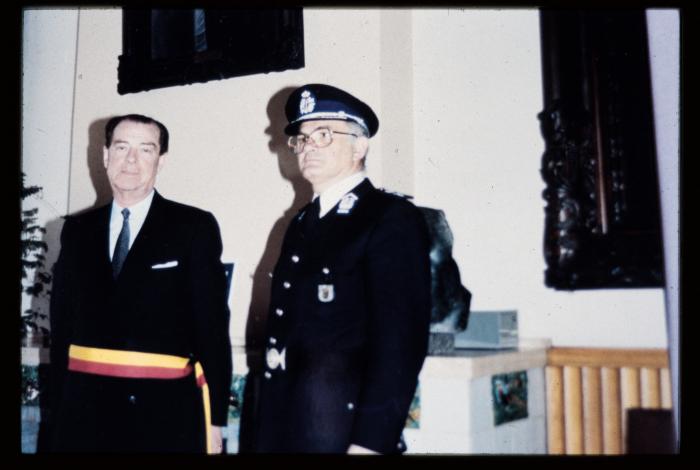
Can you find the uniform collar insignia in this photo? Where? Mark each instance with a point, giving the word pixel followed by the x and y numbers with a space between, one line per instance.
pixel 347 203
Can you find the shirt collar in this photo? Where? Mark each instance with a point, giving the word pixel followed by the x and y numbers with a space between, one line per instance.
pixel 331 196
pixel 136 212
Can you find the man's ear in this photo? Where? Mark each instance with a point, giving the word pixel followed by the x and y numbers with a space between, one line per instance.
pixel 105 156
pixel 161 161
pixel 360 148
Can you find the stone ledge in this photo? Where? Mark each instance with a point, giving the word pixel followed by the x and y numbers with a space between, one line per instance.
pixel 473 363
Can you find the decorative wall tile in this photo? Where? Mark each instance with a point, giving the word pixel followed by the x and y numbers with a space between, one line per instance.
pixel 236 398
pixel 234 413
pixel 509 396
pixel 34 382
pixel 413 419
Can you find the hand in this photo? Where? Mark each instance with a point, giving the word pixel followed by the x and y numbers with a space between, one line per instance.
pixel 216 439
pixel 355 449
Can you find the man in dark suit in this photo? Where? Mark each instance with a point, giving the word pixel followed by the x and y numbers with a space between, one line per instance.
pixel 348 323
pixel 140 350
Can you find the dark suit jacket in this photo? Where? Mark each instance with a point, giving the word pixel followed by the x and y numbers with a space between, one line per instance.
pixel 179 311
pixel 352 363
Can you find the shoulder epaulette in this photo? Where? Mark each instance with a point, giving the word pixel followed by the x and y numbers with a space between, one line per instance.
pixel 395 193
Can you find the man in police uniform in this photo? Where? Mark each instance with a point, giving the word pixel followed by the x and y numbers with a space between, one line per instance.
pixel 140 350
pixel 349 317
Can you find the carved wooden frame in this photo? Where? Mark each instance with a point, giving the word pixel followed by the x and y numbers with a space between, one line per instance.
pixel 252 41
pixel 602 213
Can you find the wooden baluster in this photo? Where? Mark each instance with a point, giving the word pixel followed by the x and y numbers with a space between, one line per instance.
pixel 573 414
pixel 612 414
pixel 555 410
pixel 631 396
pixel 630 378
pixel 666 400
pixel 651 388
pixel 592 414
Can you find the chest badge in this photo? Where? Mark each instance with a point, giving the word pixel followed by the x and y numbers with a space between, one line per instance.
pixel 326 292
pixel 347 203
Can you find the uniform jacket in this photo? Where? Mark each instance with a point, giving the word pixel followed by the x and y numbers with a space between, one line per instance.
pixel 180 309
pixel 349 323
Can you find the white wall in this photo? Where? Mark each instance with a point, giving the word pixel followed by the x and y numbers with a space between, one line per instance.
pixel 396 87
pixel 48 72
pixel 457 92
pixel 478 150
pixel 664 47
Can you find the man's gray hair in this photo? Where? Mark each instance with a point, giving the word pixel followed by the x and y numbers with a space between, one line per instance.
pixel 361 131
pixel 357 129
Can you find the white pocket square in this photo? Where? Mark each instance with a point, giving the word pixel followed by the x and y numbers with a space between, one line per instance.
pixel 169 264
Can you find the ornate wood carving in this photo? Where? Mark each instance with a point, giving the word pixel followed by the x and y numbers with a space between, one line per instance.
pixel 602 217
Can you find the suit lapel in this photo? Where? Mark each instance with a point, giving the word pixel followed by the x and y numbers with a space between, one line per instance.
pixel 146 237
pixel 299 221
pixel 100 239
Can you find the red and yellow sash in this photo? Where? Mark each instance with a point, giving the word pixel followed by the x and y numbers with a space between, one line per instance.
pixel 139 365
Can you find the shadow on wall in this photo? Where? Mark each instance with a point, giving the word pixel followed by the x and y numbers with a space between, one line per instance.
pixel 260 296
pixel 42 303
pixel 95 164
pixel 98 174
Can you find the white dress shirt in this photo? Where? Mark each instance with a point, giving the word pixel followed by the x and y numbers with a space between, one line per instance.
pixel 137 215
pixel 331 196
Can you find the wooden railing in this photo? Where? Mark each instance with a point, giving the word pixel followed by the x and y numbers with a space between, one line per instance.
pixel 589 391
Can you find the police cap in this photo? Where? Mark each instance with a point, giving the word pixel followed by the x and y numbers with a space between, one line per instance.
pixel 316 101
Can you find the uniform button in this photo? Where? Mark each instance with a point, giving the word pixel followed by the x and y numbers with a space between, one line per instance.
pixel 279 312
pixel 326 270
pixel 286 285
pixel 273 340
pixel 267 375
pixel 295 259
pixel 269 275
pixel 132 399
pixel 351 406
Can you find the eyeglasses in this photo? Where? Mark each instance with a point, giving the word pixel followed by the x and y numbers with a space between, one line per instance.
pixel 321 137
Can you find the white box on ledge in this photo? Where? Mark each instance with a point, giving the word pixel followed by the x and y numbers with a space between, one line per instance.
pixel 493 329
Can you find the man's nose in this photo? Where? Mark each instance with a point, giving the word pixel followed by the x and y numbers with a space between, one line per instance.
pixel 132 155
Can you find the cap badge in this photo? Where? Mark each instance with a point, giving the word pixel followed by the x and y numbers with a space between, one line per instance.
pixel 307 103
pixel 347 203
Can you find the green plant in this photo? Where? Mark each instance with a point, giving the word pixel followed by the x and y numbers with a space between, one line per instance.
pixel 34 278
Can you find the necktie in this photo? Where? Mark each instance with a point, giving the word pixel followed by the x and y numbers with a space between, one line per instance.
pixel 312 215
pixel 122 247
